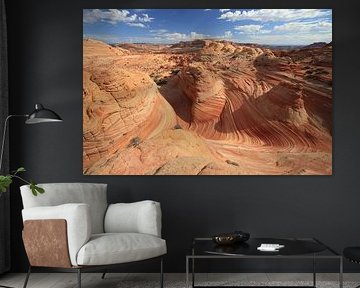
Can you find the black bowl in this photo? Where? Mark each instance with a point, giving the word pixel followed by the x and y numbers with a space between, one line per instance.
pixel 231 238
pixel 225 239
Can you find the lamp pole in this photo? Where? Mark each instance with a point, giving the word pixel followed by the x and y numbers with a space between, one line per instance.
pixel 2 152
pixel 4 135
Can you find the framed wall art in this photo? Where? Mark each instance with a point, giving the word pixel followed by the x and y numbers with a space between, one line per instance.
pixel 207 92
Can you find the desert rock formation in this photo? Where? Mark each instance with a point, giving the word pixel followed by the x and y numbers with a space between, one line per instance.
pixel 206 107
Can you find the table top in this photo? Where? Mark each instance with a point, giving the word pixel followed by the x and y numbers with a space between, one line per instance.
pixel 292 247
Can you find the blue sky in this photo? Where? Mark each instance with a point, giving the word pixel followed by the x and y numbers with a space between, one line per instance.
pixel 262 26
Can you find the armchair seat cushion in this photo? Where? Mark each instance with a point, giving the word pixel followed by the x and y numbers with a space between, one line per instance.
pixel 114 248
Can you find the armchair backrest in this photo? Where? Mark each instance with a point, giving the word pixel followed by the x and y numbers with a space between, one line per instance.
pixel 62 193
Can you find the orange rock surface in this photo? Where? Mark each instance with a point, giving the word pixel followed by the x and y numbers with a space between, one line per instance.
pixel 206 107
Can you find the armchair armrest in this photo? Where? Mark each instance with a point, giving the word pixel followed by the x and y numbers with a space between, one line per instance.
pixel 78 223
pixel 138 217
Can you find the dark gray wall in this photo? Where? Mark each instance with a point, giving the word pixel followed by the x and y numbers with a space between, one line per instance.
pixel 46 66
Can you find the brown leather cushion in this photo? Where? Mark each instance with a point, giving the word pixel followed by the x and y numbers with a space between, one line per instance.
pixel 46 243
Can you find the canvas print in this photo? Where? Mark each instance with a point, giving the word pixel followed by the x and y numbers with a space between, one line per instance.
pixel 207 91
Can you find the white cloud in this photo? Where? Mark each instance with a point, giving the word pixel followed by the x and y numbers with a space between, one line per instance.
pixel 113 16
pixel 182 37
pixel 165 36
pixel 228 34
pixel 170 37
pixel 195 35
pixel 207 9
pixel 145 18
pixel 265 15
pixel 110 15
pixel 136 25
pixel 296 27
pixel 224 10
pixel 285 39
pixel 158 31
pixel 173 36
pixel 291 33
pixel 249 28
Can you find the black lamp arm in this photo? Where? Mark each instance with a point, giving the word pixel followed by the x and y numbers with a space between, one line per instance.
pixel 4 136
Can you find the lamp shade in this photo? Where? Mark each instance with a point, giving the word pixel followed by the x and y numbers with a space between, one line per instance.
pixel 42 115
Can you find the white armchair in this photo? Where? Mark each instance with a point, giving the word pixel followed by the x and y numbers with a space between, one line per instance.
pixel 72 228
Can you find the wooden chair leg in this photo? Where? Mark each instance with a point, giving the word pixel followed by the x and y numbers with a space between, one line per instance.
pixel 27 277
pixel 79 277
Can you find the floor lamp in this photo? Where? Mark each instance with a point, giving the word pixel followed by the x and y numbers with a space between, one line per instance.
pixel 39 115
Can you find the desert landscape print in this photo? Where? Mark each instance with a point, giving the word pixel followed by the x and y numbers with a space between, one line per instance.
pixel 207 92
